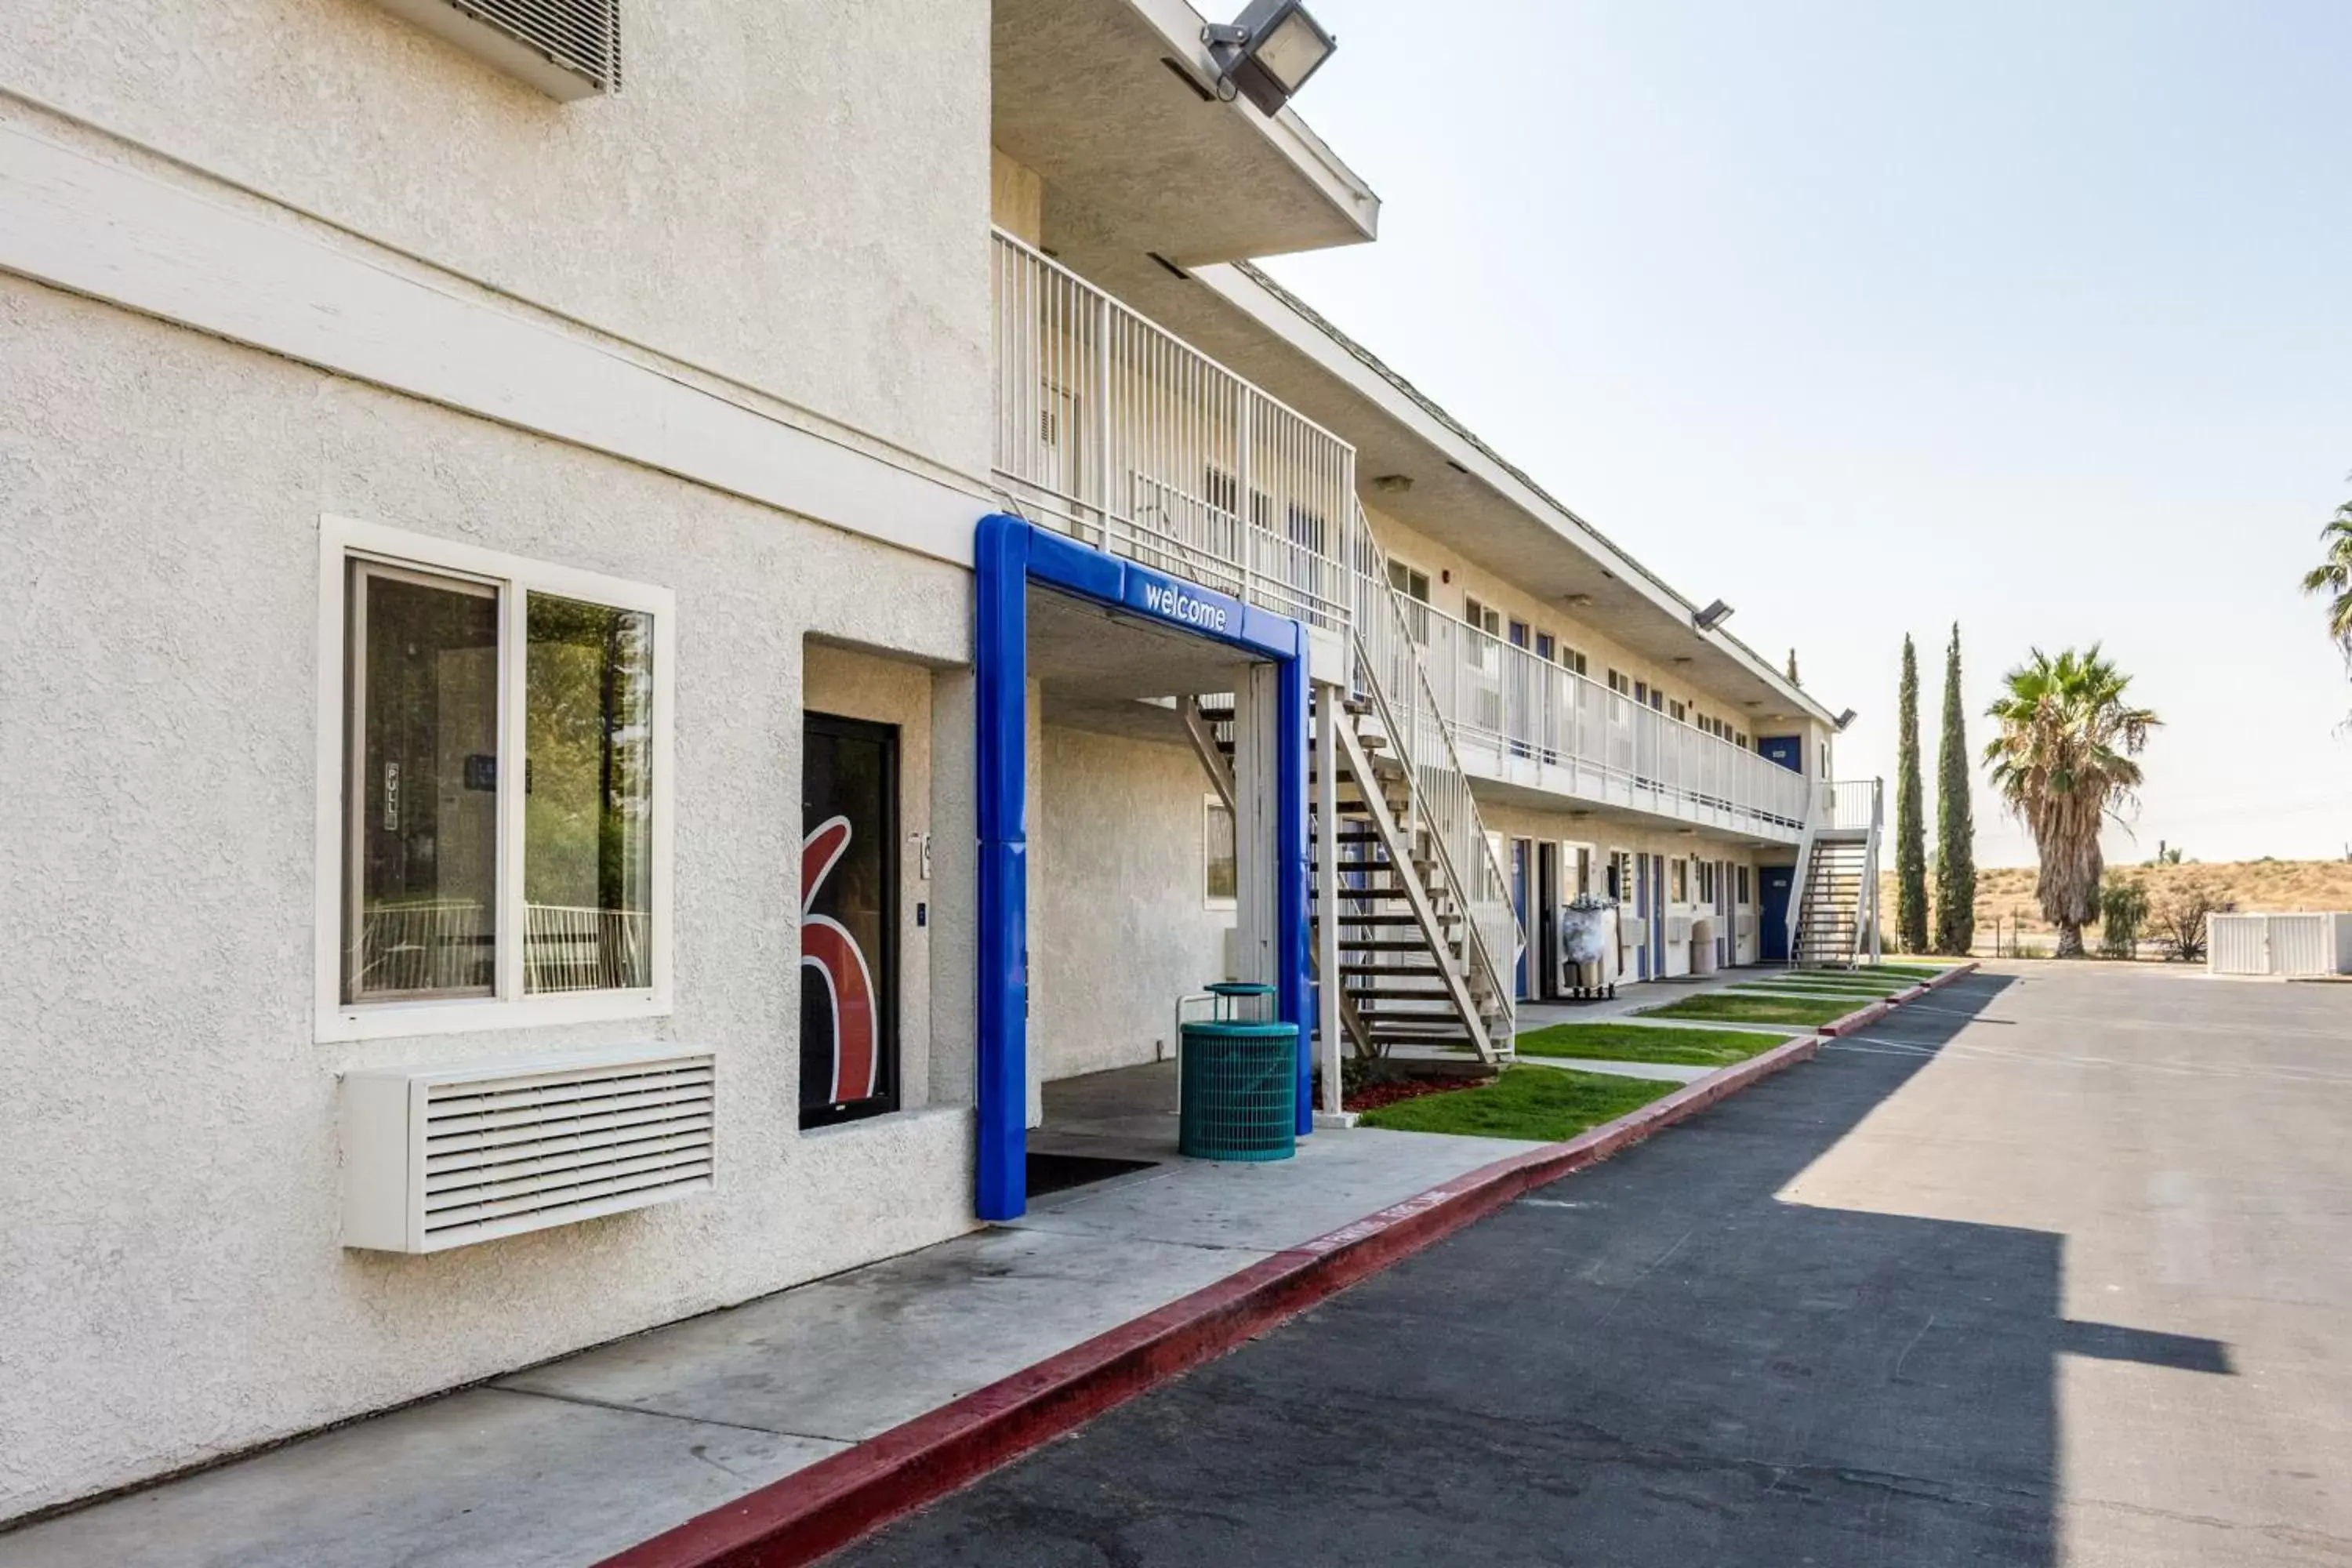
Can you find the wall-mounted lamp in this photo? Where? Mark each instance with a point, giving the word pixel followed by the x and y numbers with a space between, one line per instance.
pixel 1579 600
pixel 1843 719
pixel 1713 616
pixel 1392 484
pixel 1267 52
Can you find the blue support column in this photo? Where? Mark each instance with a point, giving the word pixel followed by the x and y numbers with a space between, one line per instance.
pixel 1001 668
pixel 1294 977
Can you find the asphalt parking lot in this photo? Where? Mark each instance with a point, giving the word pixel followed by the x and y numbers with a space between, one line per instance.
pixel 2052 1266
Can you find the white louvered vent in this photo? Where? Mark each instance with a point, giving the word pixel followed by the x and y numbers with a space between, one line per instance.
pixel 566 48
pixel 442 1157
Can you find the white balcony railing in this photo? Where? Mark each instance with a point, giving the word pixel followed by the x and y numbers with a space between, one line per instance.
pixel 1127 437
pixel 1522 718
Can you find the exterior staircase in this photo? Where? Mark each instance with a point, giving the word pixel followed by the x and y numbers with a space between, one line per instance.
pixel 1835 922
pixel 1409 969
pixel 1428 941
pixel 1830 917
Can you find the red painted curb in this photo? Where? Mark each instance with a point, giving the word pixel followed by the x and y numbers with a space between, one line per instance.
pixel 816 1511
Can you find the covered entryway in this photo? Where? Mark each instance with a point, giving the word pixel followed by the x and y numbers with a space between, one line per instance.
pixel 1100 820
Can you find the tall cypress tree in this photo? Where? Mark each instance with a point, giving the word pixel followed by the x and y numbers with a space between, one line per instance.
pixel 1956 828
pixel 1910 815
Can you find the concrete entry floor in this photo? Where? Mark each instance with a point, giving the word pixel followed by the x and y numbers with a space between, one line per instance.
pixel 565 1463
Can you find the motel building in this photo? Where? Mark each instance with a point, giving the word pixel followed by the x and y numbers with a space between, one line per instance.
pixel 630 625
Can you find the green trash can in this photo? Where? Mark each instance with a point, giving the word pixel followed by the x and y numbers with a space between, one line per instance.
pixel 1240 1091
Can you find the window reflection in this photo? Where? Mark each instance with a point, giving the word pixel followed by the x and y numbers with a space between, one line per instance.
pixel 588 798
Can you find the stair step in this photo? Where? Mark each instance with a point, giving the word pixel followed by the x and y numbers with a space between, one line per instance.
pixel 1382 944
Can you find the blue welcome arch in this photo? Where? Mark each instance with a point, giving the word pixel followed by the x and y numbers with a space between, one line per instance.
pixel 1012 554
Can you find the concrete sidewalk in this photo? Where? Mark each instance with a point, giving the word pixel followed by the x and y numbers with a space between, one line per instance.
pixel 571 1461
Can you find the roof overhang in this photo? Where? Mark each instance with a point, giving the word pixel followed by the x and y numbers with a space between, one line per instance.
pixel 1461 491
pixel 1110 101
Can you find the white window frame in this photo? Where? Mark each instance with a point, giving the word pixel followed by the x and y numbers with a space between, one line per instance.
pixel 343 538
pixel 1211 803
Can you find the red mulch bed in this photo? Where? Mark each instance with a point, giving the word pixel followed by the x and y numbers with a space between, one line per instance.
pixel 1372 1096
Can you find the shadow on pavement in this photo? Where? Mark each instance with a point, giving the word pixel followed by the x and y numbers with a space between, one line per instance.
pixel 1658 1361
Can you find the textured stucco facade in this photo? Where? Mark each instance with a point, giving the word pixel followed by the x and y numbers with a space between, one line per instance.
pixel 811 180
pixel 175 1288
pixel 705 335
pixel 1122 929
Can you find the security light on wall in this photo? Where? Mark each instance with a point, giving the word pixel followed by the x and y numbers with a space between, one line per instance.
pixel 1713 616
pixel 1267 52
pixel 1845 719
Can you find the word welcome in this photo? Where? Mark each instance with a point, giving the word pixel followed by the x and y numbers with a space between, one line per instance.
pixel 1167 599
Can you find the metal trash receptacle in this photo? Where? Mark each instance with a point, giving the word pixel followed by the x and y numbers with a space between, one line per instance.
pixel 1240 1093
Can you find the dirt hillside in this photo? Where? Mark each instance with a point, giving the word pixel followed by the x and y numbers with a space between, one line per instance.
pixel 2005 893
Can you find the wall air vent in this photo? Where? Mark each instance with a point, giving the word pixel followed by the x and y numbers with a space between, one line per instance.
pixel 441 1157
pixel 566 48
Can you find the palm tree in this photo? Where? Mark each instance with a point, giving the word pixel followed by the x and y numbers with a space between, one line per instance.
pixel 2333 576
pixel 2062 761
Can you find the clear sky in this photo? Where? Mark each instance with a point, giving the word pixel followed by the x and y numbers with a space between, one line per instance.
pixel 1869 318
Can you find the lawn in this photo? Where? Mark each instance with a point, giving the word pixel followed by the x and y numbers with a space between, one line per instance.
pixel 1758 1007
pixel 1842 987
pixel 1647 1043
pixel 1542 1104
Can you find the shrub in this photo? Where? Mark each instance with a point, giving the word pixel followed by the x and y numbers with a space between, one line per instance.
pixel 2179 920
pixel 2123 911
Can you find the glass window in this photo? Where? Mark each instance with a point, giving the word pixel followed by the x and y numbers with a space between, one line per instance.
pixel 1219 879
pixel 587 858
pixel 422 813
pixel 849 920
pixel 428 910
pixel 1679 871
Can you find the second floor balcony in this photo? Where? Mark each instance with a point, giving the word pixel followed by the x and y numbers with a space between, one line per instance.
pixel 1122 434
pixel 1521 718
pixel 1125 437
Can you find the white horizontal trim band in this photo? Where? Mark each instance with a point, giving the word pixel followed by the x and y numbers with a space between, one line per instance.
pixel 112 233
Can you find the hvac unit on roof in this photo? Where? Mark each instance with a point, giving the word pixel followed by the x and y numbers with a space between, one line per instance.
pixel 439 1157
pixel 566 48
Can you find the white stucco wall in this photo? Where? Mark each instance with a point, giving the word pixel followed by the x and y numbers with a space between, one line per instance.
pixel 1609 835
pixel 809 183
pixel 1119 927
pixel 174 1287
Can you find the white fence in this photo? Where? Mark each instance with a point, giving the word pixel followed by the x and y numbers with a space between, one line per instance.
pixel 2279 944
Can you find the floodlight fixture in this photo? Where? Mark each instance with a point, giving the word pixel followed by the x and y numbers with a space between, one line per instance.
pixel 1267 52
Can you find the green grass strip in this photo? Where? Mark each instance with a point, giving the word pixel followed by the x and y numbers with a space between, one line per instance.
pixel 1755 1007
pixel 1647 1043
pixel 1543 1105
pixel 1835 987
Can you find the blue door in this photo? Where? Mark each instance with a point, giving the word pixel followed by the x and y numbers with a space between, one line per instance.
pixel 1789 751
pixel 1772 885
pixel 1520 849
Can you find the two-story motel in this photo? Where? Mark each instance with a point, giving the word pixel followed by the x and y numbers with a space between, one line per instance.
pixel 601 684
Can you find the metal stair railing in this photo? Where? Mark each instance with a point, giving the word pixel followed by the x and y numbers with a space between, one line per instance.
pixel 1855 807
pixel 1390 671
